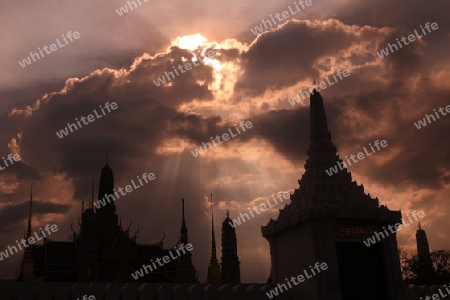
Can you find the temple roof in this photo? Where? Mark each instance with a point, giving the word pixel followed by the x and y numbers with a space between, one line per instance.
pixel 337 194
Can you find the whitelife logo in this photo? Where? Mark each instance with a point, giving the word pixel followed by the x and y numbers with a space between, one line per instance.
pixel 10 157
pixel 128 189
pixel 322 85
pixel 165 260
pixel 411 38
pixel 124 9
pixel 423 123
pixel 210 54
pixel 27 61
pixel 31 241
pixel 319 267
pixel 65 132
pixel 225 137
pixel 262 207
pixel 360 156
pixel 392 229
pixel 285 15
pixel 436 296
pixel 85 297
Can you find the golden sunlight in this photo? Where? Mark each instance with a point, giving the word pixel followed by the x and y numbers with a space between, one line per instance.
pixel 190 42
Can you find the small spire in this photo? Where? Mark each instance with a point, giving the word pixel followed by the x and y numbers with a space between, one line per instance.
pixel 228 213
pixel 213 236
pixel 106 158
pixel 420 227
pixel 183 230
pixel 30 212
pixel 182 200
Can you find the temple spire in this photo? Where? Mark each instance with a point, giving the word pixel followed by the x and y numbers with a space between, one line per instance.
pixel 30 212
pixel 27 264
pixel 214 275
pixel 213 236
pixel 183 230
pixel 185 271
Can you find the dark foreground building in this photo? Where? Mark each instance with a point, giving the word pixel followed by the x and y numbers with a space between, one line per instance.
pixel 102 251
pixel 327 221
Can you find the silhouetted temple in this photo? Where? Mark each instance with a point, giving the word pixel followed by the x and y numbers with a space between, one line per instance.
pixel 102 251
pixel 231 272
pixel 327 220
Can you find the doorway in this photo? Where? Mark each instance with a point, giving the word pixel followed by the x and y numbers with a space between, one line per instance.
pixel 361 271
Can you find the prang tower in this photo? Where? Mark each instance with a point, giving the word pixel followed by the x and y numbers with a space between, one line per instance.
pixel 231 272
pixel 423 253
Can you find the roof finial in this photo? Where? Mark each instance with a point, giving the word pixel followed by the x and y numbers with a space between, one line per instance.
pixel 228 213
pixel 420 227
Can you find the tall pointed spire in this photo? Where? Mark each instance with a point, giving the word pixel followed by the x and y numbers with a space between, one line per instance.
pixel 214 267
pixel 213 236
pixel 30 212
pixel 183 230
pixel 185 271
pixel 27 264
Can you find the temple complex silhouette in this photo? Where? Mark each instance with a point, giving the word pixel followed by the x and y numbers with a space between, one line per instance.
pixel 101 251
pixel 327 220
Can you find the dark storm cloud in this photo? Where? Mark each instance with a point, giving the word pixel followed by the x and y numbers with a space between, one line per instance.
pixel 143 113
pixel 287 130
pixel 281 58
pixel 20 171
pixel 403 14
pixel 13 214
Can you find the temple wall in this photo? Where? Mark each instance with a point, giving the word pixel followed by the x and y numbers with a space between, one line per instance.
pixel 117 291
pixel 294 253
pixel 10 290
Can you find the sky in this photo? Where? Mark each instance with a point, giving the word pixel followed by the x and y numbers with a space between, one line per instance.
pixel 250 78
